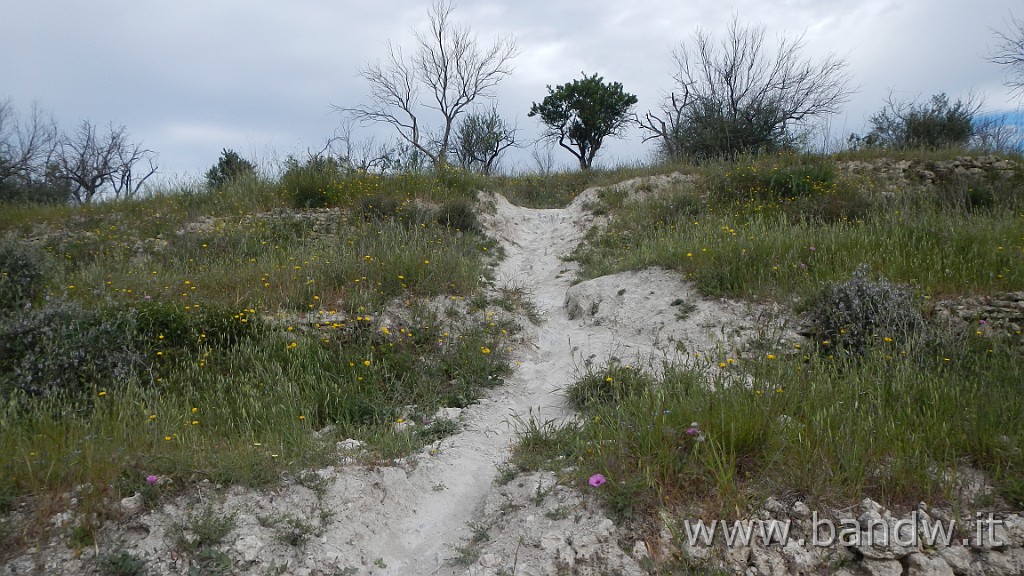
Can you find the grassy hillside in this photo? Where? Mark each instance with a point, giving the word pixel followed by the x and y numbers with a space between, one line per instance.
pixel 223 335
pixel 234 334
pixel 887 398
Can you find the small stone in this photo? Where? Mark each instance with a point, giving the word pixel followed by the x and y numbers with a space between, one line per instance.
pixel 920 564
pixel 640 550
pixel 800 559
pixel 552 541
pixel 882 567
pixel 767 562
pixel 801 510
pixel 132 505
pixel 999 563
pixel 490 560
pixel 248 547
pixel 958 558
pixel 349 444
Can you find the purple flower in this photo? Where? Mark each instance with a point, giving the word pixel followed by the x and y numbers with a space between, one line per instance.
pixel 151 479
pixel 692 431
pixel 597 479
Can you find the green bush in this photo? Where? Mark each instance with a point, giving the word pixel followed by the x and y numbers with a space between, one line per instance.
pixel 458 214
pixel 65 350
pixel 764 182
pixel 804 187
pixel 311 184
pixel 937 124
pixel 859 313
pixel 22 272
pixel 378 207
pixel 229 167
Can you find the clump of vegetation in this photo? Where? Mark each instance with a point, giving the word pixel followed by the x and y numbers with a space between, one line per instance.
pixel 22 272
pixel 458 214
pixel 311 184
pixel 378 207
pixel 860 312
pixel 67 351
pixel 230 166
pixel 804 187
pixel 607 387
pixel 121 563
pixel 936 124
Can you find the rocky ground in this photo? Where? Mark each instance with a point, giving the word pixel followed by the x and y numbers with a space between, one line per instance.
pixel 450 510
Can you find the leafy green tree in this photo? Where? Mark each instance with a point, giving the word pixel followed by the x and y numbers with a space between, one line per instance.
pixel 481 138
pixel 229 167
pixel 581 114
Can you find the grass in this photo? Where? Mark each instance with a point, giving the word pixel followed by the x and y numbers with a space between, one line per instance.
pixel 830 430
pixel 220 330
pixel 747 236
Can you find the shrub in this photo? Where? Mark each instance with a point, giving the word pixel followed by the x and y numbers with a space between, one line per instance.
pixel 804 187
pixel 229 167
pixel 937 124
pixel 70 352
pixel 860 312
pixel 310 184
pixel 458 214
pixel 66 350
pixel 22 271
pixel 378 207
pixel 775 182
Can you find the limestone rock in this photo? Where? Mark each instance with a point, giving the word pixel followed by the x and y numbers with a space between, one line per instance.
pixel 920 564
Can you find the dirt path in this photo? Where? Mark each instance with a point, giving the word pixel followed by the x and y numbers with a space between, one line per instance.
pixel 629 316
pixel 436 521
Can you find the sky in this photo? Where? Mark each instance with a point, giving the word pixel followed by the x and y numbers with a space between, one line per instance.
pixel 189 78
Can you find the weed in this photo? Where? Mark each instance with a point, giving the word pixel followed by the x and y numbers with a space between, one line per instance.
pixel 210 562
pixel 294 531
pixel 684 309
pixel 205 529
pixel 121 563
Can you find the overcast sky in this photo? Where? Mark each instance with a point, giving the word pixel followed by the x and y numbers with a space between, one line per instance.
pixel 190 77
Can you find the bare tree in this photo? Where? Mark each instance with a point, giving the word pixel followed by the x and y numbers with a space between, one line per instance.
pixel 25 146
pixel 481 138
pixel 95 164
pixel 362 155
pixel 736 96
pixel 448 66
pixel 1010 53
